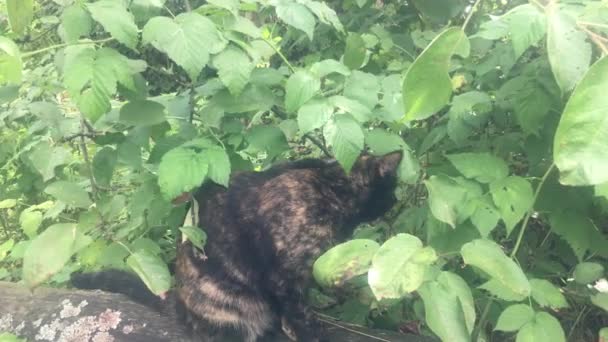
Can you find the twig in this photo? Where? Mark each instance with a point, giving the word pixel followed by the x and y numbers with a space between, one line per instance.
pixel 78 135
pixel 578 318
pixel 59 46
pixel 596 38
pixel 187 5
pixel 468 18
pixel 318 143
pixel 293 70
pixel 352 330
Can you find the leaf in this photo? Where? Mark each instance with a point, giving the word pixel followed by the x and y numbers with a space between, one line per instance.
pixel 116 20
pixel 181 170
pixel 329 66
pixel 324 13
pixel 234 69
pixel 513 197
pixel 219 165
pixel 600 300
pixel 363 87
pixel 359 111
pixel 567 47
pixel 344 261
pixel 483 167
pixel 195 235
pixel 530 101
pixel 45 158
pixel 575 228
pixel 314 114
pixel 10 62
pixel 69 193
pixel 514 317
pixel 91 77
pixel 548 295
pixel 427 86
pixel 489 257
pixel 8 203
pixel 544 328
pixel 469 111
pixel 398 267
pixel 142 113
pixel 588 272
pixel 75 23
pixel 103 165
pixel 346 138
pixel 485 217
pixel 267 138
pixel 409 168
pixel 449 198
pixel 187 40
pixel 382 142
pixel 354 51
pixel 300 87
pixel 580 149
pixel 30 221
pixel 6 247
pixel 151 269
pixel 444 312
pixel 456 285
pixel 296 15
pixel 20 15
pixel 48 253
pixel 526 27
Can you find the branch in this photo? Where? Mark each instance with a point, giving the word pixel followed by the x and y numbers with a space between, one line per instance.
pixel 319 144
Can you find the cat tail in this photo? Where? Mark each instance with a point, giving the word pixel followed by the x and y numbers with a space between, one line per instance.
pixel 118 281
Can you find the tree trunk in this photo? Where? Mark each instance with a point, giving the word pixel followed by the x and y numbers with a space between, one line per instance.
pixel 49 314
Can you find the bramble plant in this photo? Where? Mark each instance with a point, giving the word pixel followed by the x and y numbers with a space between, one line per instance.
pixel 111 109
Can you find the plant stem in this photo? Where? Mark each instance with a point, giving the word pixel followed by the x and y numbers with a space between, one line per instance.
pixel 468 18
pixel 59 46
pixel 482 320
pixel 293 70
pixel 524 224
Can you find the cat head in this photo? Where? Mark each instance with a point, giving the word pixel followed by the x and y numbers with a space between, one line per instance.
pixel 374 180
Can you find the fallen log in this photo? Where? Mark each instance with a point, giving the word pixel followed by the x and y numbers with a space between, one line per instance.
pixel 51 314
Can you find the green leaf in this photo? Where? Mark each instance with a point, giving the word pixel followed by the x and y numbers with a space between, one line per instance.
pixel 580 147
pixel 219 165
pixel 267 138
pixel 48 253
pixel 187 40
pixel 444 312
pixel 314 114
pixel 324 13
pixel 526 27
pixel 409 168
pixel 363 87
pixel 354 51
pixel 244 26
pixel 514 317
pixel 329 66
pixel 603 334
pixel 359 111
pixel 30 221
pixel 296 15
pixel 513 197
pixel 45 158
pixel 456 285
pixel 382 142
pixel 69 193
pixel 103 165
pixel 8 337
pixel 576 229
pixel 483 167
pixel 300 87
pixel 8 203
pixel 115 19
pixel 142 113
pixel 544 328
pixel 20 15
pixel 588 272
pixel 567 47
pixel 469 111
pixel 399 265
pixel 195 235
pixel 449 198
pixel 234 69
pixel 490 258
pixel 548 295
pixel 485 217
pixel 600 300
pixel 344 261
pixel 151 269
pixel 346 138
pixel 75 23
pixel 427 86
pixel 181 170
pixel 10 62
pixel 91 77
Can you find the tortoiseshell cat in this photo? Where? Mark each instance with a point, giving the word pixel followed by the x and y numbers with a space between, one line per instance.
pixel 264 233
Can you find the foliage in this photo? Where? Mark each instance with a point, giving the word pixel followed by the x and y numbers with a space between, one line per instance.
pixel 113 111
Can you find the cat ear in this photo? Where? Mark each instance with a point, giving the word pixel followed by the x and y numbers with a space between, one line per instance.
pixel 388 163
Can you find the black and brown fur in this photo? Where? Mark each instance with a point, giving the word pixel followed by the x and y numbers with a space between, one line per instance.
pixel 264 233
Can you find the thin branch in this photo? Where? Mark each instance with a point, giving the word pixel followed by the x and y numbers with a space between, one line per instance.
pixel 293 70
pixel 79 135
pixel 318 143
pixel 188 6
pixel 473 8
pixel 59 46
pixel 597 39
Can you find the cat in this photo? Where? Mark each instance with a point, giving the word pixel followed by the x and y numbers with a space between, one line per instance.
pixel 264 233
